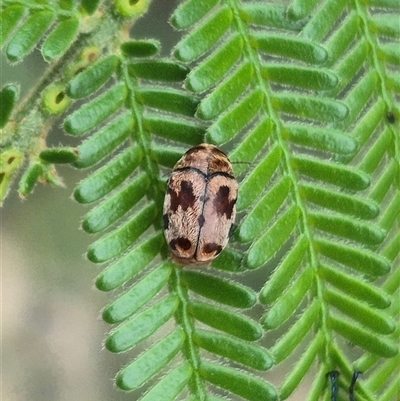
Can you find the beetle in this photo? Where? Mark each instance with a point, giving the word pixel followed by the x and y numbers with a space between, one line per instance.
pixel 200 205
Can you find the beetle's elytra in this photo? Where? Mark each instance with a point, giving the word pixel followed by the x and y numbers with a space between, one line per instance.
pixel 200 205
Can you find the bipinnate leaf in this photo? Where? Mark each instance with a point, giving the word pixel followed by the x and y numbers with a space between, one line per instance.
pixel 303 99
pixel 300 97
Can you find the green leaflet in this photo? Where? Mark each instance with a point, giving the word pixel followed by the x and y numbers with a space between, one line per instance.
pixel 28 35
pixel 320 109
pixel 102 143
pixel 359 259
pixel 287 304
pixel 258 178
pixel 9 18
pixel 321 139
pixel 292 338
pixel 348 228
pixel 114 243
pixel 157 70
pixel 368 317
pixel 302 367
pixel 234 349
pixel 109 177
pixel 59 155
pixel 264 210
pixel 251 388
pixel 9 95
pixel 230 322
pixel 139 294
pixel 364 338
pixel 230 260
pixel 322 21
pixel 90 6
pixel 190 12
pixel 341 39
pixel 92 114
pixel 272 240
pixel 205 36
pixel 169 387
pixel 222 291
pixel 168 100
pixel 291 47
pixel 386 24
pixel 140 48
pixel 333 173
pixel 188 132
pixel 362 290
pixel 251 145
pixel 30 178
pixel 226 93
pixel 141 326
pixel 215 66
pixel 61 37
pixel 116 206
pixel 92 78
pixel 307 78
pixel 149 363
pixel 284 272
pixel 270 15
pixel 236 118
pixel 301 9
pixel 341 202
pixel 129 265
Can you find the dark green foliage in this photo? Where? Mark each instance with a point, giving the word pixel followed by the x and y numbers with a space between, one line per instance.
pixel 8 97
pixel 303 98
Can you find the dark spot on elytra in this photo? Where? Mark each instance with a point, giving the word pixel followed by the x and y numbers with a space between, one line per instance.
pixel 201 220
pixel 185 197
pixel 212 247
pixel 220 165
pixel 181 242
pixel 222 203
pixel 166 221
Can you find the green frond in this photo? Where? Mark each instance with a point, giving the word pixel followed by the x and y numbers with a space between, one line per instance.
pixel 302 94
pixel 304 100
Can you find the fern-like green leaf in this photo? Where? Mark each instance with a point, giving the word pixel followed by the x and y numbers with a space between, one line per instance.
pixel 303 99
